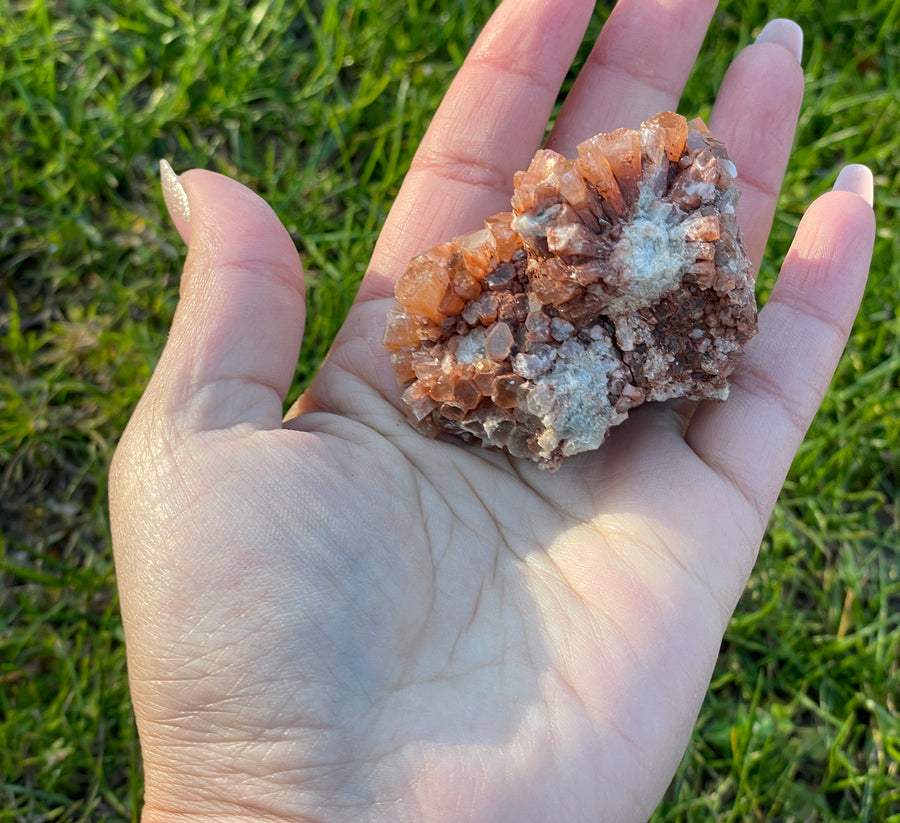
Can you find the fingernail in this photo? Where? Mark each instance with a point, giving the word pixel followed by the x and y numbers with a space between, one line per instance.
pixel 174 194
pixel 858 179
pixel 785 33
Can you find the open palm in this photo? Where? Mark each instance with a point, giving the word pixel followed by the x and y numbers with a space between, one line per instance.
pixel 334 618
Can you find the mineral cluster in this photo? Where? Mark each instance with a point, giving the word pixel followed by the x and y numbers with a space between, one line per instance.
pixel 618 278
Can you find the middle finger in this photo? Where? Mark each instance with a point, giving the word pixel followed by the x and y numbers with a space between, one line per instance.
pixel 638 67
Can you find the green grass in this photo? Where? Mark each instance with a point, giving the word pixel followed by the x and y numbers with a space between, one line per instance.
pixel 312 105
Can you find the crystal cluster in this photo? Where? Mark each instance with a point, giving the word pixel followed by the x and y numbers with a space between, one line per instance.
pixel 617 278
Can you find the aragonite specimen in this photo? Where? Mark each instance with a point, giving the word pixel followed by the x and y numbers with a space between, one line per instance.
pixel 618 278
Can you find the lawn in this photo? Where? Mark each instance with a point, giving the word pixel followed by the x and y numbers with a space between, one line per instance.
pixel 312 105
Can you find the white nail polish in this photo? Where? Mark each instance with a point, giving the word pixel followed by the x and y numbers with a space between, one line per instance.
pixel 173 193
pixel 785 33
pixel 858 179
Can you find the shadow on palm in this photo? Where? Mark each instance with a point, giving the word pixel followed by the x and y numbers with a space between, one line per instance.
pixel 499 608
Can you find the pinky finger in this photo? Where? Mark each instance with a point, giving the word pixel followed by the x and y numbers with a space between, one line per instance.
pixel 751 439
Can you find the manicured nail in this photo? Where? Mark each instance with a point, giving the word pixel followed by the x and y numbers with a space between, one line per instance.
pixel 785 33
pixel 858 179
pixel 174 194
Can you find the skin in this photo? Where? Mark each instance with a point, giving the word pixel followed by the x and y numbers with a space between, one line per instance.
pixel 330 617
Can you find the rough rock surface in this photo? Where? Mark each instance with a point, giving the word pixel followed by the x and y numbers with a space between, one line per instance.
pixel 618 277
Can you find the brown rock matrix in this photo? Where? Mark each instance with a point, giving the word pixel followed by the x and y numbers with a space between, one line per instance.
pixel 618 278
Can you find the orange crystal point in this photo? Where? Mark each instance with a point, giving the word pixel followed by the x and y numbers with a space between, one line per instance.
pixel 423 285
pixel 595 168
pixel 622 149
pixel 400 330
pixel 671 130
pixel 506 240
pixel 618 278
pixel 479 252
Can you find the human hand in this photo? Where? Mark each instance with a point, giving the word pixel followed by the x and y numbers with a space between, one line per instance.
pixel 334 618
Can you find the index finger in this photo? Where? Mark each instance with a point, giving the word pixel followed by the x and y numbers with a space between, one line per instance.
pixel 489 124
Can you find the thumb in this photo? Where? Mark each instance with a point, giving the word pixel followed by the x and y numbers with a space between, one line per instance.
pixel 233 347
